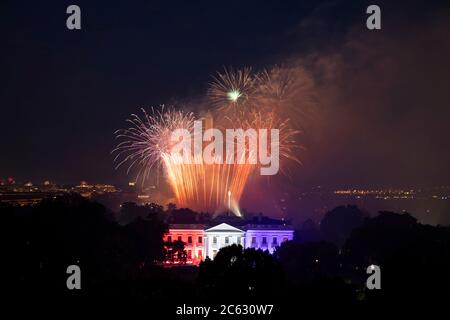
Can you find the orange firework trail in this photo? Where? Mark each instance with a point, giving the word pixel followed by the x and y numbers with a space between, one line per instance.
pixel 206 186
pixel 242 101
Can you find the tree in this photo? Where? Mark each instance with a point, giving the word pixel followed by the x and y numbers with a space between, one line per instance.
pixel 59 232
pixel 155 209
pixel 338 223
pixel 43 240
pixel 414 258
pixel 309 232
pixel 131 211
pixel 379 238
pixel 175 252
pixel 236 274
pixel 171 207
pixel 303 262
pixel 146 236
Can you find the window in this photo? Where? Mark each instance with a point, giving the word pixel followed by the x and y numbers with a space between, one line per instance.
pixel 169 239
pixel 275 241
pixel 180 238
pixel 190 239
pixel 189 254
pixel 264 240
pixel 215 240
pixel 200 239
pixel 253 240
pixel 200 254
pixel 227 240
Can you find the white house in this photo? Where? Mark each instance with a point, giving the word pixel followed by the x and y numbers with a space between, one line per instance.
pixel 258 232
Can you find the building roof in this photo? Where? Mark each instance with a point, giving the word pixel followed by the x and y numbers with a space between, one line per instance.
pixel 190 226
pixel 255 223
pixel 263 220
pixel 186 219
pixel 265 223
pixel 224 227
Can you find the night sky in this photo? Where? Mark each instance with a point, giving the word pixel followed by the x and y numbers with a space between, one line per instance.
pixel 384 98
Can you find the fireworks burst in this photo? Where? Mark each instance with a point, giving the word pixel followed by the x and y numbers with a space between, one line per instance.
pixel 242 100
pixel 148 138
pixel 287 135
pixel 274 86
pixel 270 99
pixel 147 144
pixel 231 88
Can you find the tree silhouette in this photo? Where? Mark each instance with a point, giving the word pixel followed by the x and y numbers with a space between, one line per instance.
pixel 130 211
pixel 302 262
pixel 309 232
pixel 118 262
pixel 236 273
pixel 175 252
pixel 146 235
pixel 338 223
pixel 414 258
pixel 45 239
pixel 171 207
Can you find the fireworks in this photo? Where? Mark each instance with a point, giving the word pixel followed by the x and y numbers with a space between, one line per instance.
pixel 234 95
pixel 147 140
pixel 241 100
pixel 231 88
pixel 269 99
pixel 147 144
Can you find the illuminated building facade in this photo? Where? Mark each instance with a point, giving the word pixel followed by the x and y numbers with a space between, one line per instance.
pixel 205 240
pixel 222 235
pixel 267 234
pixel 193 236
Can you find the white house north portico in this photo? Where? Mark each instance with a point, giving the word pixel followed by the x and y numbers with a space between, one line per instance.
pixel 220 236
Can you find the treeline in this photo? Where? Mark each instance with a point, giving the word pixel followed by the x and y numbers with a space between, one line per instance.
pixel 119 262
